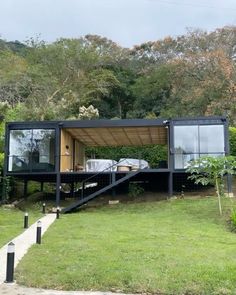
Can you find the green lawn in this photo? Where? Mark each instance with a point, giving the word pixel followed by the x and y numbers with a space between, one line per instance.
pixel 12 222
pixel 171 247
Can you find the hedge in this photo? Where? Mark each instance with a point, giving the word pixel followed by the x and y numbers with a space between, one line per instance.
pixel 232 140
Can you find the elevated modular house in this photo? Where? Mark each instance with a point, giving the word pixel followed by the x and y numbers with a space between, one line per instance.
pixel 54 151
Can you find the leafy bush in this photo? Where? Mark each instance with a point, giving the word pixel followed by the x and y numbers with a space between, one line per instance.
pixel 233 220
pixel 232 140
pixel 135 190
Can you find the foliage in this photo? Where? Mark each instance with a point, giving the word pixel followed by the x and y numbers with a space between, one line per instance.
pixel 211 170
pixel 232 140
pixel 88 113
pixel 233 220
pixel 135 190
pixel 189 75
pixel 152 92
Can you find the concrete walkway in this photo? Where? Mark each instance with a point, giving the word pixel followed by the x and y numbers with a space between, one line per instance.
pixel 22 243
pixel 14 289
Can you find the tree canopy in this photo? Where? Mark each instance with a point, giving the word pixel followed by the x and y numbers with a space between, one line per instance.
pixel 189 75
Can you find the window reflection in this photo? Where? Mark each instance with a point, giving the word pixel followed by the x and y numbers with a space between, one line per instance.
pixel 20 145
pixel 211 139
pixel 32 150
pixel 192 142
pixel 186 139
pixel 183 160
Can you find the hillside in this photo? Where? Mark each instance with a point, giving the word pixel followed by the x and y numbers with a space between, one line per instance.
pixel 189 75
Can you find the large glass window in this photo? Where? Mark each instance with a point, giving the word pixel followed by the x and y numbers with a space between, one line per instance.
pixel 19 149
pixel 192 142
pixel 32 150
pixel 211 139
pixel 186 139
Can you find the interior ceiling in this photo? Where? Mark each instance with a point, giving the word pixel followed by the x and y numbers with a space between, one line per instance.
pixel 120 136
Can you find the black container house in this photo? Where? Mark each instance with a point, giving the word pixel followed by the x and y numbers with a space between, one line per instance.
pixel 54 151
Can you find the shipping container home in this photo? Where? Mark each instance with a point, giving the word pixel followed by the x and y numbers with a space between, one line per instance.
pixel 54 151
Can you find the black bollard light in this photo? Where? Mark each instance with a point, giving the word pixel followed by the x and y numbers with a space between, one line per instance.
pixel 58 212
pixel 26 220
pixel 10 263
pixel 44 208
pixel 38 232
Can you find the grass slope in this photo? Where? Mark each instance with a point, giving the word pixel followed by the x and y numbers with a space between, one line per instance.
pixel 11 223
pixel 171 247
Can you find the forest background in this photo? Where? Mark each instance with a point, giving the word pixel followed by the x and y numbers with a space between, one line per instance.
pixel 189 75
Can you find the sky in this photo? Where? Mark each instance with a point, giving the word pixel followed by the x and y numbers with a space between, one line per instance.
pixel 126 22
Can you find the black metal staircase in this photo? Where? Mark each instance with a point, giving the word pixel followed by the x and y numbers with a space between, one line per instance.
pixel 99 192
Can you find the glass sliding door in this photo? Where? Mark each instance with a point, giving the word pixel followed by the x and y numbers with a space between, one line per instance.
pixel 32 150
pixel 192 142
pixel 212 139
pixel 186 145
pixel 42 154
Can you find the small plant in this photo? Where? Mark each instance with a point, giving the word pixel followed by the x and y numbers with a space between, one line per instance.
pixel 135 190
pixel 211 170
pixel 233 220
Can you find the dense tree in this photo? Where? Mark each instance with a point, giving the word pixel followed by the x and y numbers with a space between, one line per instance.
pixel 192 74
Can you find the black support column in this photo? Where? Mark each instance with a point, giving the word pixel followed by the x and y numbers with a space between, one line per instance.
pixel 171 157
pixel 58 184
pixel 25 188
pixel 229 184
pixel 57 162
pixel 72 189
pixel 113 179
pixel 227 152
pixel 170 184
pixel 41 186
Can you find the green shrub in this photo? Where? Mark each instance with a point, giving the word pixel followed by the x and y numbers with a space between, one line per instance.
pixel 135 190
pixel 233 220
pixel 232 140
